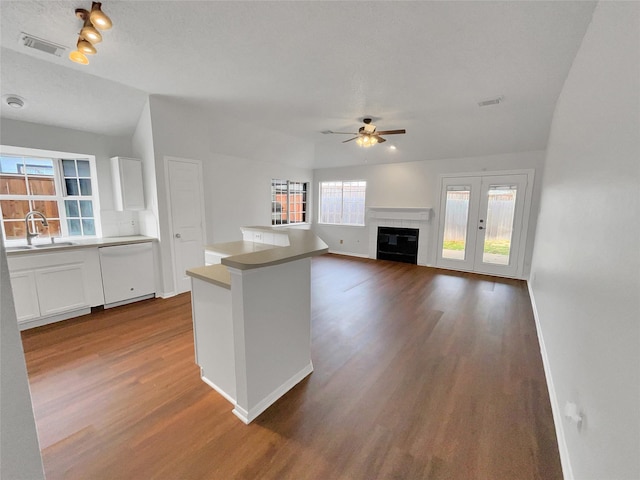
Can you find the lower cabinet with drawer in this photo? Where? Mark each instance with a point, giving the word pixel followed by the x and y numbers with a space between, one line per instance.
pixel 127 273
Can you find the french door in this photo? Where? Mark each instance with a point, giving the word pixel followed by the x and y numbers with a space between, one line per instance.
pixel 481 224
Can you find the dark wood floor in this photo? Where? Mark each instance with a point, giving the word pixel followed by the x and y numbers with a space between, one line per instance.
pixel 419 373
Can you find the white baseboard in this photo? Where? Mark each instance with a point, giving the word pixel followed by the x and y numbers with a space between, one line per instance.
pixel 166 295
pixel 217 389
pixel 349 254
pixel 38 322
pixel 555 407
pixel 249 416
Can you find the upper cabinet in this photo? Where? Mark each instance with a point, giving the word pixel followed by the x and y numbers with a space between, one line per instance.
pixel 128 192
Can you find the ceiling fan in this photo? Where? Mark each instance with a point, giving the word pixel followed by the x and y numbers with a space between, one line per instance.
pixel 367 135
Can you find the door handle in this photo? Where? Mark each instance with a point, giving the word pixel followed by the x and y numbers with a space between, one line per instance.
pixel 480 228
pixel 178 235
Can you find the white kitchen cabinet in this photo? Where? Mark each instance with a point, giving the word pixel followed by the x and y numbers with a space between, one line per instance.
pixel 53 286
pixel 128 191
pixel 127 273
pixel 25 295
pixel 61 288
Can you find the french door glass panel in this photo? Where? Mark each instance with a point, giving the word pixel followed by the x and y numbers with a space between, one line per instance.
pixel 481 219
pixel 456 221
pixel 501 202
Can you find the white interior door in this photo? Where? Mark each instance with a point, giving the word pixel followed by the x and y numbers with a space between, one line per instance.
pixel 187 218
pixel 481 224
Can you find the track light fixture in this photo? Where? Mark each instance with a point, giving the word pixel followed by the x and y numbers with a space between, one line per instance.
pixel 89 35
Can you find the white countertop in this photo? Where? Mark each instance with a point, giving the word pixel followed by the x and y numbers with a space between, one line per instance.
pixel 79 243
pixel 245 255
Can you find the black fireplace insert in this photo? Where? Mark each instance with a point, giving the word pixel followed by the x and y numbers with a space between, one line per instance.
pixel 398 244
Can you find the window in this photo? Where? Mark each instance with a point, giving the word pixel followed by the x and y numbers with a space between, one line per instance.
pixel 62 189
pixel 288 202
pixel 342 203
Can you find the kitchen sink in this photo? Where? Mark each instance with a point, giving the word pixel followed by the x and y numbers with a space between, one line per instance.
pixel 57 244
pixel 39 246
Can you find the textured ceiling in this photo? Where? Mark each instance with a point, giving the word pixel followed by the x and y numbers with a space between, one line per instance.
pixel 300 68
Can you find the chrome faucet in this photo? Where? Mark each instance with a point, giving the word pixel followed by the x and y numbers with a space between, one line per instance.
pixel 34 213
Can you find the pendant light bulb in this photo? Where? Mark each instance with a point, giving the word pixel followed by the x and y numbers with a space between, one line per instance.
pixel 79 57
pixel 86 47
pixel 98 18
pixel 90 33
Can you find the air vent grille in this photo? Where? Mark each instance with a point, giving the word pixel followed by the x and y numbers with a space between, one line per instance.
pixel 29 41
pixel 491 101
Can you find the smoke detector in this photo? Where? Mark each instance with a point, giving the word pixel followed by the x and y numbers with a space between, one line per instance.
pixel 29 41
pixel 14 101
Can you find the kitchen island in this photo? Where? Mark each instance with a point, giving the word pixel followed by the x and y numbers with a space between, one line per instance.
pixel 252 316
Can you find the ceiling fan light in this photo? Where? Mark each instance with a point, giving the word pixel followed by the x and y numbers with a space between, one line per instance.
pixel 89 33
pixel 99 18
pixel 86 47
pixel 79 57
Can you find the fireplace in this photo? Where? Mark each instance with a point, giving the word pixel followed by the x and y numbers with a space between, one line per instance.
pixel 398 244
pixel 417 218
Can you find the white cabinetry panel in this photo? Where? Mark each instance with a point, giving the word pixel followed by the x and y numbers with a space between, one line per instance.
pixel 127 272
pixel 61 288
pixel 127 183
pixel 25 295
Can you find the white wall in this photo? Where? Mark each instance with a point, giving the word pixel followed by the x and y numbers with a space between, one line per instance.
pixel 239 162
pixel 142 146
pixel 415 184
pixel 45 137
pixel 19 449
pixel 585 277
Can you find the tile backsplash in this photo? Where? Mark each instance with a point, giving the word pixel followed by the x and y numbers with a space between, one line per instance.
pixel 118 224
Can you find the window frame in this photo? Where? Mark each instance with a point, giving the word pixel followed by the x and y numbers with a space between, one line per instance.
pixel 61 193
pixel 305 202
pixel 342 203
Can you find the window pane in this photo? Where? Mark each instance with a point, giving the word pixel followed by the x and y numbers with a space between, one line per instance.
pixel 74 227
pixel 48 208
pixel 15 209
pixel 15 230
pixel 85 186
pixel 11 165
pixel 69 168
pixel 53 230
pixel 42 186
pixel 499 228
pixel 88 226
pixel 72 186
pixel 41 167
pixel 13 185
pixel 86 208
pixel 83 168
pixel 455 222
pixel 71 207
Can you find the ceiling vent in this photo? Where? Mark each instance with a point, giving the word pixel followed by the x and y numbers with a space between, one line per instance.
pixel 491 101
pixel 29 41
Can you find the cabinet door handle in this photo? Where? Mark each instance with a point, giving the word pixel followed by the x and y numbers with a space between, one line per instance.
pixel 178 235
pixel 480 228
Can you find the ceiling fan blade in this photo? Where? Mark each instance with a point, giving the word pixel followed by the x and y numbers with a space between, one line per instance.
pixel 349 139
pixel 391 132
pixel 380 139
pixel 342 133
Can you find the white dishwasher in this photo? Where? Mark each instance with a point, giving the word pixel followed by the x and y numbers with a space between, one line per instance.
pixel 127 273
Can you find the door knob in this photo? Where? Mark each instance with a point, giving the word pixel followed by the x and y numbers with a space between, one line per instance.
pixel 178 235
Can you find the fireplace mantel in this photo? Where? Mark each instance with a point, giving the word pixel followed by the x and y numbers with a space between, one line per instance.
pixel 401 217
pixel 400 213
